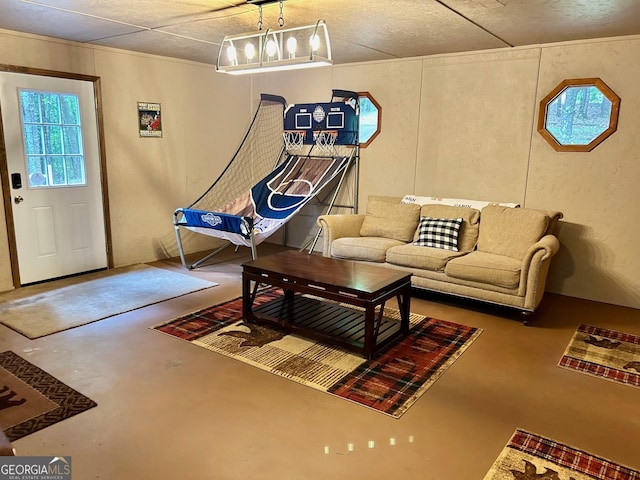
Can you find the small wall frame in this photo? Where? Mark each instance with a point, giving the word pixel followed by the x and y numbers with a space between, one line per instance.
pixel 578 115
pixel 149 122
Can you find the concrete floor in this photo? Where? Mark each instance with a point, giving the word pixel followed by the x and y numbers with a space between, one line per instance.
pixel 170 410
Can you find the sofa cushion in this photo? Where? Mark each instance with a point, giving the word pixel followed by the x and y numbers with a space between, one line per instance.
pixel 510 231
pixel 483 267
pixel 370 249
pixel 390 220
pixel 468 234
pixel 438 233
pixel 424 258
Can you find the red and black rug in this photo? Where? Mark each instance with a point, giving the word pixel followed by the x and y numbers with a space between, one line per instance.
pixel 390 383
pixel 530 456
pixel 31 399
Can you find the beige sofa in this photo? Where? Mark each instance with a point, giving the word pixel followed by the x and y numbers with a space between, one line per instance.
pixel 501 254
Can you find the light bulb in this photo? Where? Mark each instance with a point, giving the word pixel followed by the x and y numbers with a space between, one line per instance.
pixel 249 51
pixel 231 53
pixel 292 44
pixel 271 48
pixel 314 41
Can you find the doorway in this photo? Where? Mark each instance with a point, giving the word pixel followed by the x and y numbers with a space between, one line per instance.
pixel 54 176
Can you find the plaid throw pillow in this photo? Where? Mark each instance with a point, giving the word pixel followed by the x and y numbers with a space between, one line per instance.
pixel 438 233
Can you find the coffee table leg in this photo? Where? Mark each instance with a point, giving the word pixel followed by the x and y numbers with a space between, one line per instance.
pixel 369 337
pixel 404 302
pixel 247 299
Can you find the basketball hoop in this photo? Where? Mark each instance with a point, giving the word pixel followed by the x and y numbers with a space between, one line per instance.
pixel 325 139
pixel 293 139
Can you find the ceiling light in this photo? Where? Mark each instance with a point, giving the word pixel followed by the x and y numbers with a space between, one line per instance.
pixel 231 54
pixel 314 41
pixel 249 51
pixel 263 51
pixel 271 48
pixel 292 44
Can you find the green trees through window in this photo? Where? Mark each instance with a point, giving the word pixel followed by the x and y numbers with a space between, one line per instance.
pixel 578 115
pixel 52 133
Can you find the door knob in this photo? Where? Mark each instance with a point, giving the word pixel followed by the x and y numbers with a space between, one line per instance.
pixel 18 199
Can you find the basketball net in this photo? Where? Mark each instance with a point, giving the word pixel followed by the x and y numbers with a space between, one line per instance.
pixel 325 140
pixel 293 139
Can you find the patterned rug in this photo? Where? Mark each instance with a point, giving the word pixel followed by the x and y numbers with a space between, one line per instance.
pixel 604 353
pixel 530 456
pixel 31 399
pixel 390 383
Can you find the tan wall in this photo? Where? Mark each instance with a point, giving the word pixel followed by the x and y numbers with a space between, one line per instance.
pixel 453 125
pixel 476 118
pixel 204 115
pixel 464 125
pixel 597 191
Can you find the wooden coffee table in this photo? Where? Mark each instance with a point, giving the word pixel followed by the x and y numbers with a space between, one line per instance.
pixel 303 277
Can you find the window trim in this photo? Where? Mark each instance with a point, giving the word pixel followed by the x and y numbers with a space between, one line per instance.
pixel 579 82
pixel 379 127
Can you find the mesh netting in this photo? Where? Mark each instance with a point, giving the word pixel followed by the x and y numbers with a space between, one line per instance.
pixel 293 139
pixel 325 140
pixel 258 154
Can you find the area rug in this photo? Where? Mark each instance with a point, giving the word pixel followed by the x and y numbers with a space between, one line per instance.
pixel 604 353
pixel 530 456
pixel 390 383
pixel 31 399
pixel 43 309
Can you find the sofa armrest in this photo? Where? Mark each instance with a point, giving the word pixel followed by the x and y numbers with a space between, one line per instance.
pixel 554 218
pixel 549 244
pixel 339 226
pixel 535 266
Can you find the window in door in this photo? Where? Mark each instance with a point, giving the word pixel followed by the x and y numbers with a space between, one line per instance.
pixel 51 126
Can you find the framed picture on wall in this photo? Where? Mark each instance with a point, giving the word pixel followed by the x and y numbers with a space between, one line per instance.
pixel 149 121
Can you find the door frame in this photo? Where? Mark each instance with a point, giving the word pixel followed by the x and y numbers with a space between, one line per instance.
pixel 4 170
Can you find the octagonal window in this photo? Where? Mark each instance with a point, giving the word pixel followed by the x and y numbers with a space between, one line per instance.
pixel 578 115
pixel 370 118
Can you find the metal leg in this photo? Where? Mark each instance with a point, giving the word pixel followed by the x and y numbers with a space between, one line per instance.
pixel 333 199
pixel 215 252
pixel 180 250
pixel 183 260
pixel 254 253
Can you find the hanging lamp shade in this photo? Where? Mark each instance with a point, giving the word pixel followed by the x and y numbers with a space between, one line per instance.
pixel 284 49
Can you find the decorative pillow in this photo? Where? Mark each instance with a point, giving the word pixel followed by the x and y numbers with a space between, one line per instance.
pixel 468 234
pixel 439 233
pixel 387 219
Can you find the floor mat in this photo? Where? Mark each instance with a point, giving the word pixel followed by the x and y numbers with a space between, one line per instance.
pixel 31 399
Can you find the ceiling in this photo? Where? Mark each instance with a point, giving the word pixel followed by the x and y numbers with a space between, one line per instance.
pixel 360 30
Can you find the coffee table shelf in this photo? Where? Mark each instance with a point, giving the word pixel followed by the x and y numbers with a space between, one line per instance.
pixel 325 321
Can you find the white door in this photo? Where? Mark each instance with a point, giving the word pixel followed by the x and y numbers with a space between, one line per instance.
pixel 53 160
